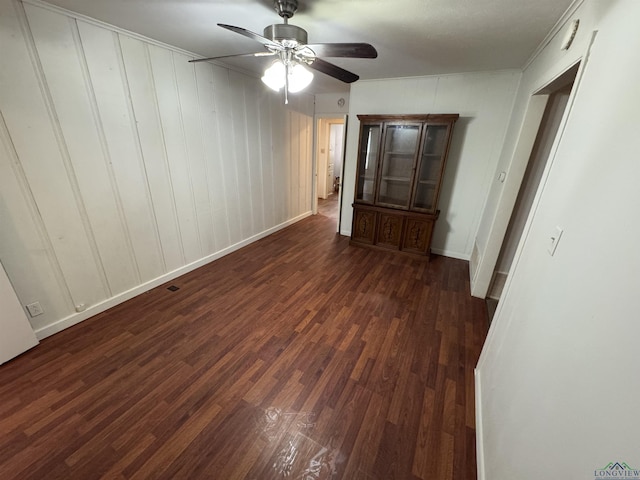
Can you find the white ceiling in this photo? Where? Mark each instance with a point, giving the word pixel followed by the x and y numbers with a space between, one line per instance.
pixel 413 37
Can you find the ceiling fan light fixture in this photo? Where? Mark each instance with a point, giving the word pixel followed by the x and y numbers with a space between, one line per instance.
pixel 299 76
pixel 288 43
pixel 274 76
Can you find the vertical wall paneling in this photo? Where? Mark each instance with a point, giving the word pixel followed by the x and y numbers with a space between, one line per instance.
pixel 142 90
pixel 294 199
pixel 224 109
pixel 254 152
pixel 192 127
pixel 211 145
pixel 32 126
pixel 28 255
pixel 104 63
pixel 122 165
pixel 63 65
pixel 238 118
pixel 267 178
pixel 286 162
pixel 296 130
pixel 280 149
pixel 174 140
pixel 302 171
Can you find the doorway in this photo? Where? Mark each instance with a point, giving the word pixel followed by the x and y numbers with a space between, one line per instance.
pixel 330 141
pixel 558 93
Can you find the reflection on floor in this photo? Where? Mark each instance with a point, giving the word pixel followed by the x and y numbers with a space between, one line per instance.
pixel 329 207
pixel 291 432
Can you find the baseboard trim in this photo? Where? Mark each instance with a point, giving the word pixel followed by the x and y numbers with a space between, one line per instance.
pixel 479 435
pixel 451 254
pixel 436 251
pixel 76 318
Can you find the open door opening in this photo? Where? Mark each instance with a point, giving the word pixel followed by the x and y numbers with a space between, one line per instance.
pixel 558 98
pixel 330 140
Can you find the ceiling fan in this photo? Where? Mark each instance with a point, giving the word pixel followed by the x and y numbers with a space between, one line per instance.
pixel 288 43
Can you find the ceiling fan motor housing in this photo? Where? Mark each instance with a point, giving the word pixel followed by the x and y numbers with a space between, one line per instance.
pixel 283 32
pixel 286 8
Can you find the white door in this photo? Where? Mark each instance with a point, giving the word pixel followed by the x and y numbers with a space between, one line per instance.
pixel 330 174
pixel 16 334
pixel 336 134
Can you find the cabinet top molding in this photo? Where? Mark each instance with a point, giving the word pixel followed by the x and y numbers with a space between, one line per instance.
pixel 426 117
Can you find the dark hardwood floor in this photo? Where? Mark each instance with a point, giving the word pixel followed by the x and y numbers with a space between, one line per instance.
pixel 296 357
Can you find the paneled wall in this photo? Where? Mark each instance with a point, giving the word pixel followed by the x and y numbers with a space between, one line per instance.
pixel 122 165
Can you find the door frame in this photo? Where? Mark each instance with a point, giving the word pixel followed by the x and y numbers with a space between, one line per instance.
pixel 320 121
pixel 482 272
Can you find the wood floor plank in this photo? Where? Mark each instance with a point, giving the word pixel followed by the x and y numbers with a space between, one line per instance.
pixel 298 356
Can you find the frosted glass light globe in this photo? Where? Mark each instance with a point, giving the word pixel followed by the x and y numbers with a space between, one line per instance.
pixel 274 76
pixel 299 78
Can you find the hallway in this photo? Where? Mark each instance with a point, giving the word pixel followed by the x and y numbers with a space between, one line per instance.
pixel 329 207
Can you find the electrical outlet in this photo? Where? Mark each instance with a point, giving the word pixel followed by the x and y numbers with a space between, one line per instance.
pixel 35 309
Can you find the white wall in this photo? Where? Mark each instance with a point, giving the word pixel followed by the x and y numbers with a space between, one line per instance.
pixel 484 102
pixel 122 165
pixel 531 179
pixel 549 63
pixel 557 383
pixel 329 103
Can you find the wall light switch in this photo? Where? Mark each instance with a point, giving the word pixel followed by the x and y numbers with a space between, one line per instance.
pixel 554 238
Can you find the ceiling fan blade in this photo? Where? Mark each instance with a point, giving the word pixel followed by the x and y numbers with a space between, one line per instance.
pixel 258 54
pixel 352 50
pixel 333 70
pixel 254 36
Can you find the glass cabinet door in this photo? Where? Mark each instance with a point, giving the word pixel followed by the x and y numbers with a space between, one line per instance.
pixel 430 167
pixel 367 162
pixel 397 164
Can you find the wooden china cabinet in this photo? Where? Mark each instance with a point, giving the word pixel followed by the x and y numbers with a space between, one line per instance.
pixel 401 161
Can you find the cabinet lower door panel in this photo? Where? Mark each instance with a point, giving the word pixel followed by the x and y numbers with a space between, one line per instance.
pixel 389 230
pixel 417 236
pixel 393 229
pixel 364 226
